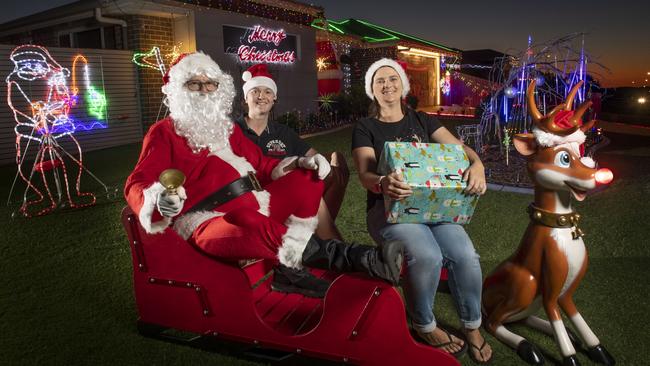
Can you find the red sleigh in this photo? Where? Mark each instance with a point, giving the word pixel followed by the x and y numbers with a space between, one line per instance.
pixel 361 321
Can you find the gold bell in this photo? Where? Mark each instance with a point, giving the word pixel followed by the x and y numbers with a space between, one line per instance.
pixel 171 179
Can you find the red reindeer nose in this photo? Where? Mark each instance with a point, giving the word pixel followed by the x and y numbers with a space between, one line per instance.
pixel 604 176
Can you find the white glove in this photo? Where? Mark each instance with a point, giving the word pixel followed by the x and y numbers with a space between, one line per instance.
pixel 316 162
pixel 170 205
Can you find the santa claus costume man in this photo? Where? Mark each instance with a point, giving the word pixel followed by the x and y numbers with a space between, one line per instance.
pixel 236 203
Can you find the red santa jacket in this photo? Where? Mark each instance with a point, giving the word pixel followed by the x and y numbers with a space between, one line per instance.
pixel 206 172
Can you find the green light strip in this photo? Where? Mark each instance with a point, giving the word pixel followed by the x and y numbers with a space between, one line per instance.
pixel 391 34
pixel 336 28
pixel 330 27
pixel 318 27
pixel 375 40
pixel 390 37
pixel 385 30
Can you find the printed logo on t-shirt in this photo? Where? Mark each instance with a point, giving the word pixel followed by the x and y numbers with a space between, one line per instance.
pixel 412 135
pixel 276 148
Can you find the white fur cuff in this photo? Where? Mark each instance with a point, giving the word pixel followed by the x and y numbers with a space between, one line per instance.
pixel 278 171
pixel 146 211
pixel 186 224
pixel 294 241
pixel 547 139
pixel 263 198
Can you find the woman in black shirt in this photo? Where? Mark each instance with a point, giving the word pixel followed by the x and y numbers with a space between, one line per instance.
pixel 428 246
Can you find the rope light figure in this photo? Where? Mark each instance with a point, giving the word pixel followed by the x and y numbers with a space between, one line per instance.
pixel 41 102
pixel 95 100
pixel 153 59
pixel 143 59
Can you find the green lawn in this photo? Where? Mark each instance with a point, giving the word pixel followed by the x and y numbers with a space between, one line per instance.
pixel 65 280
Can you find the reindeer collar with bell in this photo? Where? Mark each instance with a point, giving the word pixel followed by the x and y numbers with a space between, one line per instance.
pixel 554 220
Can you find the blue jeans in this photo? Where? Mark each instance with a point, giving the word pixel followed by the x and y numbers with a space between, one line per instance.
pixel 429 247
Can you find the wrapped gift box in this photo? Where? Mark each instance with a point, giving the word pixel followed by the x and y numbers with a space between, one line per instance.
pixel 434 172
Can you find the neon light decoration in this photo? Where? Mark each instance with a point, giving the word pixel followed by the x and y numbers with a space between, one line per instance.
pixel 260 44
pixel 261 34
pixel 252 54
pixel 143 59
pixel 95 100
pixel 44 123
pixel 153 59
pixel 96 103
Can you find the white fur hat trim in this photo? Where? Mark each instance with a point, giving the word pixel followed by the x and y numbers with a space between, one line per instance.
pixel 390 63
pixel 258 81
pixel 547 139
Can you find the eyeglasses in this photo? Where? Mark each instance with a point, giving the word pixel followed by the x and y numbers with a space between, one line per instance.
pixel 195 85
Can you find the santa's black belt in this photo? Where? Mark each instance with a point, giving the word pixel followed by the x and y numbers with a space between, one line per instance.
pixel 231 191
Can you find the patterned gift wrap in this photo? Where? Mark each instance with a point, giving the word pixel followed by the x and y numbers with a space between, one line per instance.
pixel 434 172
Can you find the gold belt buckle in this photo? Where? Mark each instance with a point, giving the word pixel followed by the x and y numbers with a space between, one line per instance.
pixel 256 183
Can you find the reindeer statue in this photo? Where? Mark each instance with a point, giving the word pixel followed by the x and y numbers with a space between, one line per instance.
pixel 551 259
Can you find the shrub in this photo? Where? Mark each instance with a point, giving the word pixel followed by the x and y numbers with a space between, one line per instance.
pixel 291 119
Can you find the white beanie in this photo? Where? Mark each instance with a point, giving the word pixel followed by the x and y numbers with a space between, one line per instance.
pixel 390 63
pixel 258 75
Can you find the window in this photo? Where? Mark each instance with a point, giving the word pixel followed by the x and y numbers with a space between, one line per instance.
pixel 88 39
pixel 109 37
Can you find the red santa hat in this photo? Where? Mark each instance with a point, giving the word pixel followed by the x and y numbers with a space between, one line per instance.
pixel 174 63
pixel 258 75
pixel 398 66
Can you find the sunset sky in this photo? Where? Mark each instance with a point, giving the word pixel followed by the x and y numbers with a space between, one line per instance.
pixel 617 32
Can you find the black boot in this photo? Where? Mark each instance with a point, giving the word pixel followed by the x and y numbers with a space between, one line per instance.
pixel 301 281
pixel 332 254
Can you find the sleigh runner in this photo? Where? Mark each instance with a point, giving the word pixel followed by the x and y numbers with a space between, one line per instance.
pixel 360 321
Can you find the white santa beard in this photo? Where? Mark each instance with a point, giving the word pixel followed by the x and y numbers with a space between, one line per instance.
pixel 203 119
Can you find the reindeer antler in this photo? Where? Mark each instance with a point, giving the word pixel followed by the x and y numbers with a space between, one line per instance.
pixel 571 96
pixel 548 122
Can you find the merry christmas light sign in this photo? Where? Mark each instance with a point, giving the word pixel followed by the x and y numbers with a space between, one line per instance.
pixel 260 44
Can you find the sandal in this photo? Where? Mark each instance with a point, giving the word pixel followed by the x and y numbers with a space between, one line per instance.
pixel 456 354
pixel 480 351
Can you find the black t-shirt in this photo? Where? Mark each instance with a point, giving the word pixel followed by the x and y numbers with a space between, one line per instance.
pixel 371 132
pixel 277 140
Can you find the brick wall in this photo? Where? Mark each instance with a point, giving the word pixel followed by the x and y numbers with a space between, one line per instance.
pixel 145 32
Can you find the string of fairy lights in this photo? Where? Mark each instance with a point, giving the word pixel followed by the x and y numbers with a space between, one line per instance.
pixel 270 9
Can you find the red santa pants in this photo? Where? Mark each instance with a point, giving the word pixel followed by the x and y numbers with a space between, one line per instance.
pixel 247 234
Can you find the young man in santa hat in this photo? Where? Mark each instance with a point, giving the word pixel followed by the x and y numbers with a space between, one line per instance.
pixel 280 141
pixel 236 203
